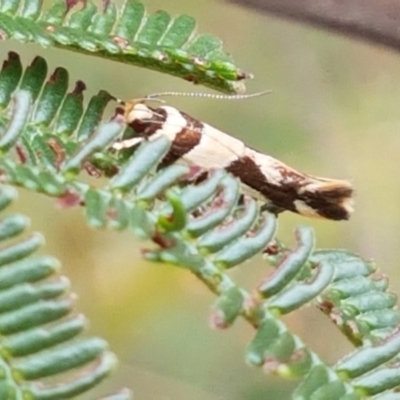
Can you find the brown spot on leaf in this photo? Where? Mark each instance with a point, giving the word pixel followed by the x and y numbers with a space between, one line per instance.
pixel 191 78
pixel 112 213
pixel 91 169
pixel 21 154
pixel 69 199
pixel 241 75
pixel 3 35
pixel 218 320
pixel 272 249
pixel 58 150
pixel 79 88
pixel 165 242
pixel 72 3
pixel 121 42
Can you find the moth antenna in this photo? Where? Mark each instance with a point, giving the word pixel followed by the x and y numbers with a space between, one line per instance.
pixel 151 99
pixel 154 96
pixel 140 100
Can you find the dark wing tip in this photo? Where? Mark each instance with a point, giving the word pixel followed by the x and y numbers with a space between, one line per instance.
pixel 331 199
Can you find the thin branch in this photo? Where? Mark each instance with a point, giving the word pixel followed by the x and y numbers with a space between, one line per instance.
pixel 376 21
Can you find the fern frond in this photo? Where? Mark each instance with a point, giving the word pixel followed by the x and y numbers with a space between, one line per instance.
pixel 45 123
pixel 358 302
pixel 129 35
pixel 40 332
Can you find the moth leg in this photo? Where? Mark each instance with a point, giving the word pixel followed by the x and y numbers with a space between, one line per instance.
pixel 272 208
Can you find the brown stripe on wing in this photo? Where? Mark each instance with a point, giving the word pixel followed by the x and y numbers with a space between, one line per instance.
pixel 325 198
pixel 147 127
pixel 185 141
pixel 250 174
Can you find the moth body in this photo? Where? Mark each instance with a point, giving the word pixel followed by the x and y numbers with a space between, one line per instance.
pixel 265 178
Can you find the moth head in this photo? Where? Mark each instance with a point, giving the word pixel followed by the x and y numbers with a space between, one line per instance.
pixel 135 110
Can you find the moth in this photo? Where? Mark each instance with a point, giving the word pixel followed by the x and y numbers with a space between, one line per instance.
pixel 265 178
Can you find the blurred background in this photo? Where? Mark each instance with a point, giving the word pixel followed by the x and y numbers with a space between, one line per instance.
pixel 333 111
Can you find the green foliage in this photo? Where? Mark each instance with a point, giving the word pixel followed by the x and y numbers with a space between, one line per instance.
pixel 130 35
pixel 40 332
pixel 49 139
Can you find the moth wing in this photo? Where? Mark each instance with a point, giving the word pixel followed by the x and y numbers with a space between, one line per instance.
pixel 215 149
